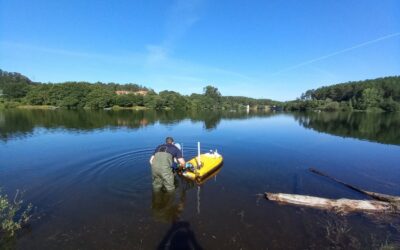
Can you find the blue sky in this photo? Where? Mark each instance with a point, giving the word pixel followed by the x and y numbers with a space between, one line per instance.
pixel 270 49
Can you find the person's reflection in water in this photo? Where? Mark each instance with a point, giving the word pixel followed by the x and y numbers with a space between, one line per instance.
pixel 167 208
pixel 179 236
pixel 164 206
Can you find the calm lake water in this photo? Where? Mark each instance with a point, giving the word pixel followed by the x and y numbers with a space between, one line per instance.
pixel 88 175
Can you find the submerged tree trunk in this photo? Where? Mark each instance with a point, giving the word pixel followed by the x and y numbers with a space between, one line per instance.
pixel 340 205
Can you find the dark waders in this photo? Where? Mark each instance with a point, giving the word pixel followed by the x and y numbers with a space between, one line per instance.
pixel 162 172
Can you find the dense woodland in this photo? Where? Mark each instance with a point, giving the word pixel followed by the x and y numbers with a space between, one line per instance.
pixel 16 89
pixel 381 94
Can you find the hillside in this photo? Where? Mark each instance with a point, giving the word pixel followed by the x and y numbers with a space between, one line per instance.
pixel 381 94
pixel 16 89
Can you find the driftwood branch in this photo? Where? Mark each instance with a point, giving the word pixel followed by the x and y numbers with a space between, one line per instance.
pixel 376 196
pixel 340 205
pixel 382 203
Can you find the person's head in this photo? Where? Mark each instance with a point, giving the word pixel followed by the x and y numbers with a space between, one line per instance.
pixel 169 140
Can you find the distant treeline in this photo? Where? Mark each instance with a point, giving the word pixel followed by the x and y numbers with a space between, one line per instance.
pixel 16 89
pixel 381 94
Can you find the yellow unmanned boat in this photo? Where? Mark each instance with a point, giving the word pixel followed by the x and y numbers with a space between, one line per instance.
pixel 202 166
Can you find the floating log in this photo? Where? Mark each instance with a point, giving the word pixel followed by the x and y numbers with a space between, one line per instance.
pixel 377 196
pixel 341 205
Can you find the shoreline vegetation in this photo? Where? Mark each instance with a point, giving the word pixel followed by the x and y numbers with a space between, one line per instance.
pixel 375 95
pixel 14 216
pixel 36 107
pixel 18 91
pixel 116 107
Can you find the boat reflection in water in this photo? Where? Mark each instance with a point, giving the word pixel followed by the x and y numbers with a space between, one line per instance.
pixel 210 176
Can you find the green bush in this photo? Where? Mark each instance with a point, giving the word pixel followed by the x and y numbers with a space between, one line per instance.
pixel 390 105
pixel 11 104
pixel 100 98
pixel 331 106
pixel 12 216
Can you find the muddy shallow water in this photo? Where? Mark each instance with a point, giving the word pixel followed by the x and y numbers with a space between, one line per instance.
pixel 87 174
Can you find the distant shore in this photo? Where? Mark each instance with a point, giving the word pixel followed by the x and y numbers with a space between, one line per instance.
pixel 116 107
pixel 50 107
pixel 36 107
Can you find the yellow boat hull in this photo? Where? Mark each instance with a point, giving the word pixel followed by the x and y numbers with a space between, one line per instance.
pixel 209 163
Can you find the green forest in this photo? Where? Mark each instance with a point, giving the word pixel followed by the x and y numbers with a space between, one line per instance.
pixel 17 89
pixel 381 94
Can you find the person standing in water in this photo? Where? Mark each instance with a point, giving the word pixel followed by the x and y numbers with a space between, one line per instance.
pixel 161 162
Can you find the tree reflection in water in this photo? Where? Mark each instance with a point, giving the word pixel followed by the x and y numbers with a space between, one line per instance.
pixel 377 127
pixel 21 123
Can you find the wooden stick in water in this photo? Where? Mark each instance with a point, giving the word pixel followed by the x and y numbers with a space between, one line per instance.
pixel 376 196
pixel 382 204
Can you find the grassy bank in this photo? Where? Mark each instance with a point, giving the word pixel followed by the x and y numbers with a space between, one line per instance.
pixel 36 107
pixel 8 104
pixel 116 107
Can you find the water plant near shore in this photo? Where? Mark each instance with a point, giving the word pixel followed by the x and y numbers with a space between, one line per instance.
pixel 13 215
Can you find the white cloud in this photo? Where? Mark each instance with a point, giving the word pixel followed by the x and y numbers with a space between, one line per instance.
pixel 337 53
pixel 156 54
pixel 181 15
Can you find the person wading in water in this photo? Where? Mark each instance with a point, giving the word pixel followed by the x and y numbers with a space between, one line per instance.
pixel 161 162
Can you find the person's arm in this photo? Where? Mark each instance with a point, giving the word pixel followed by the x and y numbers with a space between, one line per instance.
pixel 152 156
pixel 181 162
pixel 180 158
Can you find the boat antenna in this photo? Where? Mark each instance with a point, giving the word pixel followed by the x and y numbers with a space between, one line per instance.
pixel 198 154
